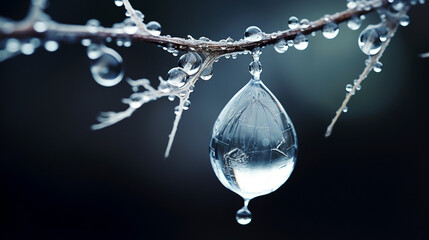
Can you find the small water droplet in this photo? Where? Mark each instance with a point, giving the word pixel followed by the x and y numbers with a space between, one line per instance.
pixel 354 23
pixel 119 42
pixel 330 30
pixel 176 110
pixel 164 87
pixel 107 70
pixel 304 23
pixel 51 46
pixel 190 62
pixel 92 25
pixel 293 22
pixel 371 39
pixel 358 87
pixel 27 48
pixel 253 33
pixel 94 51
pixel 13 45
pixel 255 68
pixel 136 102
pixel 281 46
pixel 86 42
pixel 154 28
pixel 119 3
pixel 290 43
pixel 171 97
pixel 300 42
pixel 207 73
pixel 404 21
pixel 205 39
pixel 40 26
pixel 130 27
pixel 177 77
pixel 243 216
pixel 349 87
pixel 127 42
pixel 139 15
pixel 378 67
pixel 186 105
pixel 351 4
pixel 345 109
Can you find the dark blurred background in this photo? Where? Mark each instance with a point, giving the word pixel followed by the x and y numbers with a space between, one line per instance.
pixel 60 180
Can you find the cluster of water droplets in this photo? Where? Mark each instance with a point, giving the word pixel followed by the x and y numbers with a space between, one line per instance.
pixel 129 25
pixel 189 64
pixel 372 38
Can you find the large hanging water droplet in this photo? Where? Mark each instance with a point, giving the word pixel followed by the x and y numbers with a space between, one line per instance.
pixel 300 42
pixel 190 62
pixel 253 146
pixel 330 30
pixel 107 69
pixel 253 33
pixel 371 38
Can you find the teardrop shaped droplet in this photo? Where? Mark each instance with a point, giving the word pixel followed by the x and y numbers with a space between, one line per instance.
pixel 243 215
pixel 253 147
pixel 107 69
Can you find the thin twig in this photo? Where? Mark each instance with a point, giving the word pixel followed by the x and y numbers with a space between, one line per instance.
pixel 369 66
pixel 207 62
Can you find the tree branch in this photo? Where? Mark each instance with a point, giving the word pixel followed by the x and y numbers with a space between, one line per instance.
pixel 66 32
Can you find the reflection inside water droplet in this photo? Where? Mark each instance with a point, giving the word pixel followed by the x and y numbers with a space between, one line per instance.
pixel 253 146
